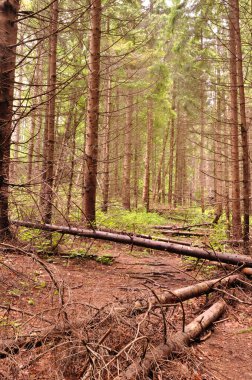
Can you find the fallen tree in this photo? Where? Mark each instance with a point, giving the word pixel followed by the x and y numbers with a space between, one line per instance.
pixel 187 227
pixel 183 233
pixel 132 240
pixel 187 292
pixel 175 344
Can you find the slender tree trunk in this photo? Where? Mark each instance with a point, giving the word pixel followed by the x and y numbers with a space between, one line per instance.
pixel 227 173
pixel 72 166
pixel 236 212
pixel 49 133
pixel 202 142
pixel 160 172
pixel 32 134
pixel 17 132
pixel 117 157
pixel 178 198
pixel 163 181
pixel 218 154
pixel 8 37
pixel 136 159
pixel 126 181
pixel 62 155
pixel 106 152
pixel 35 128
pixel 146 186
pixel 172 145
pixel 234 9
pixel 92 123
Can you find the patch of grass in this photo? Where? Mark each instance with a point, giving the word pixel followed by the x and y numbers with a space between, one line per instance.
pixel 218 234
pixel 42 242
pixel 245 331
pixel 15 292
pixel 134 221
pixel 105 259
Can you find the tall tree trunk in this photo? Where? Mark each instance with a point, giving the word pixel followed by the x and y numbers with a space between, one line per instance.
pixel 62 154
pixel 202 142
pixel 235 19
pixel 92 123
pixel 227 148
pixel 106 147
pixel 117 158
pixel 172 145
pixel 49 133
pixel 236 212
pixel 126 181
pixel 8 36
pixel 178 198
pixel 218 154
pixel 35 128
pixel 160 172
pixel 72 165
pixel 136 158
pixel 147 164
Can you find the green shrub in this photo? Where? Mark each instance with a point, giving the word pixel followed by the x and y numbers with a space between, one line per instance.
pixel 134 221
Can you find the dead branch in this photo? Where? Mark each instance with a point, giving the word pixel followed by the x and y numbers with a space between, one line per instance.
pixel 176 344
pixel 188 292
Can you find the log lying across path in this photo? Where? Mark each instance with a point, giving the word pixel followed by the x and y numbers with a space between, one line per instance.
pixel 175 344
pixel 188 292
pixel 132 240
pixel 188 227
pixel 183 233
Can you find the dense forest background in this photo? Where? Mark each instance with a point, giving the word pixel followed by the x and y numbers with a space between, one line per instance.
pixel 125 106
pixel 125 189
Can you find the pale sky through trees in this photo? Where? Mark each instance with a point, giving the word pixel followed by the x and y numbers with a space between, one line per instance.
pixel 147 2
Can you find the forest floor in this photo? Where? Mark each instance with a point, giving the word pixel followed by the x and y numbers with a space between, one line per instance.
pixel 224 353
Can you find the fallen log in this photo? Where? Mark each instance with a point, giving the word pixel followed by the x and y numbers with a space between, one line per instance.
pixel 177 343
pixel 227 267
pixel 149 237
pixel 179 249
pixel 182 227
pixel 184 233
pixel 187 292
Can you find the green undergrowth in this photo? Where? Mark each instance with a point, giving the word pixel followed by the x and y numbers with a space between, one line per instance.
pixel 218 235
pixel 130 221
pixel 42 241
pixel 245 331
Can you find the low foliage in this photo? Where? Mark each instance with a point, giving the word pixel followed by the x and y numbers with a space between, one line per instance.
pixel 133 221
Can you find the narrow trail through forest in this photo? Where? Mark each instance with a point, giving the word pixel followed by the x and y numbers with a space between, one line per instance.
pixel 224 351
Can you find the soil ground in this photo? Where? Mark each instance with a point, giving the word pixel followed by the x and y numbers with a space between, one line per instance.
pixel 226 352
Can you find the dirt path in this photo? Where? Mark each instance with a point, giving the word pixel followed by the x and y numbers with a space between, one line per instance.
pixel 226 354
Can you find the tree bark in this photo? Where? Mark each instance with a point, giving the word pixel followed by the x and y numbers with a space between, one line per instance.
pixel 235 19
pixel 106 148
pixel 147 161
pixel 8 39
pixel 92 123
pixel 49 133
pixel 35 127
pixel 126 181
pixel 137 148
pixel 171 148
pixel 236 211
pixel 202 143
pixel 158 187
pixel 218 154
